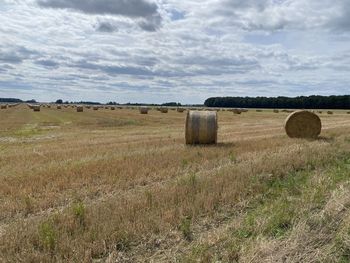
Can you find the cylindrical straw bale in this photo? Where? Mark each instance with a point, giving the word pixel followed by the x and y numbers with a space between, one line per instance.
pixel 143 110
pixel 36 107
pixel 201 127
pixel 303 124
pixel 164 110
pixel 80 108
pixel 4 106
pixel 180 110
pixel 59 107
pixel 329 112
pixel 95 108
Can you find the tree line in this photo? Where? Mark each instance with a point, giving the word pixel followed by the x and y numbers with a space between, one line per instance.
pixel 301 102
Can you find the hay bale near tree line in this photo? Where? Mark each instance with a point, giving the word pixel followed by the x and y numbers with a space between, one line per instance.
pixel 80 108
pixel 59 107
pixel 303 124
pixel 36 107
pixel 330 112
pixel 143 110
pixel 95 108
pixel 276 111
pixel 201 127
pixel 180 110
pixel 164 110
pixel 3 107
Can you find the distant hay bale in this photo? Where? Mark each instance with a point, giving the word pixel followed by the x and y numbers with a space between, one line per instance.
pixel 276 111
pixel 329 112
pixel 303 124
pixel 80 108
pixel 180 110
pixel 88 107
pixel 59 107
pixel 348 112
pixel 95 108
pixel 164 110
pixel 36 107
pixel 320 112
pixel 143 110
pixel 236 111
pixel 49 106
pixel 258 110
pixel 3 107
pixel 112 108
pixel 201 127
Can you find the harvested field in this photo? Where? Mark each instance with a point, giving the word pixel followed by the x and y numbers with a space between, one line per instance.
pixel 120 186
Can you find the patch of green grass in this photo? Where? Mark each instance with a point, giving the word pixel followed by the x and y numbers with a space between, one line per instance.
pixel 79 213
pixel 47 236
pixel 185 228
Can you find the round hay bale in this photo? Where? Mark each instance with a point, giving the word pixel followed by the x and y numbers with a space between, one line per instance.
pixel 320 112
pixel 59 107
pixel 80 108
pixel 36 107
pixel 201 127
pixel 3 107
pixel 276 111
pixel 143 110
pixel 303 124
pixel 348 112
pixel 164 110
pixel 95 108
pixel 330 112
pixel 236 111
pixel 258 110
pixel 180 110
pixel 112 108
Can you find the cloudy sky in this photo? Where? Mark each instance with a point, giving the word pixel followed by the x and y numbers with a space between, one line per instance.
pixel 173 50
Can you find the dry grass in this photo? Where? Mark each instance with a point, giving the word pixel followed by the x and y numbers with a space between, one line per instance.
pixel 119 185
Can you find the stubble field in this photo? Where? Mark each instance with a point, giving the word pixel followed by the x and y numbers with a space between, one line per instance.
pixel 118 186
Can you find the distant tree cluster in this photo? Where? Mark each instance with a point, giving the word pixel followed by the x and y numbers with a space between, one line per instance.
pixel 302 102
pixel 10 100
pixel 171 104
pixel 13 100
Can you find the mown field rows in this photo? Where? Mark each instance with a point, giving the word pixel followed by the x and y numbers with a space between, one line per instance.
pixel 116 185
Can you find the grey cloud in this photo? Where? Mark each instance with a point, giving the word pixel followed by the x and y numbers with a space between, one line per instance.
pixel 11 58
pixel 15 55
pixel 47 63
pixel 151 24
pixel 130 8
pixel 106 27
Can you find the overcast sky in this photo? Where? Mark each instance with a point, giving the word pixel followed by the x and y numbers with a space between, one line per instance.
pixel 173 50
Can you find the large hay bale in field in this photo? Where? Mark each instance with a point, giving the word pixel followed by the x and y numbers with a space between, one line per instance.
pixel 143 110
pixel 180 110
pixel 330 112
pixel 95 108
pixel 112 108
pixel 201 127
pixel 164 110
pixel 59 107
pixel 80 108
pixel 36 107
pixel 3 107
pixel 303 124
